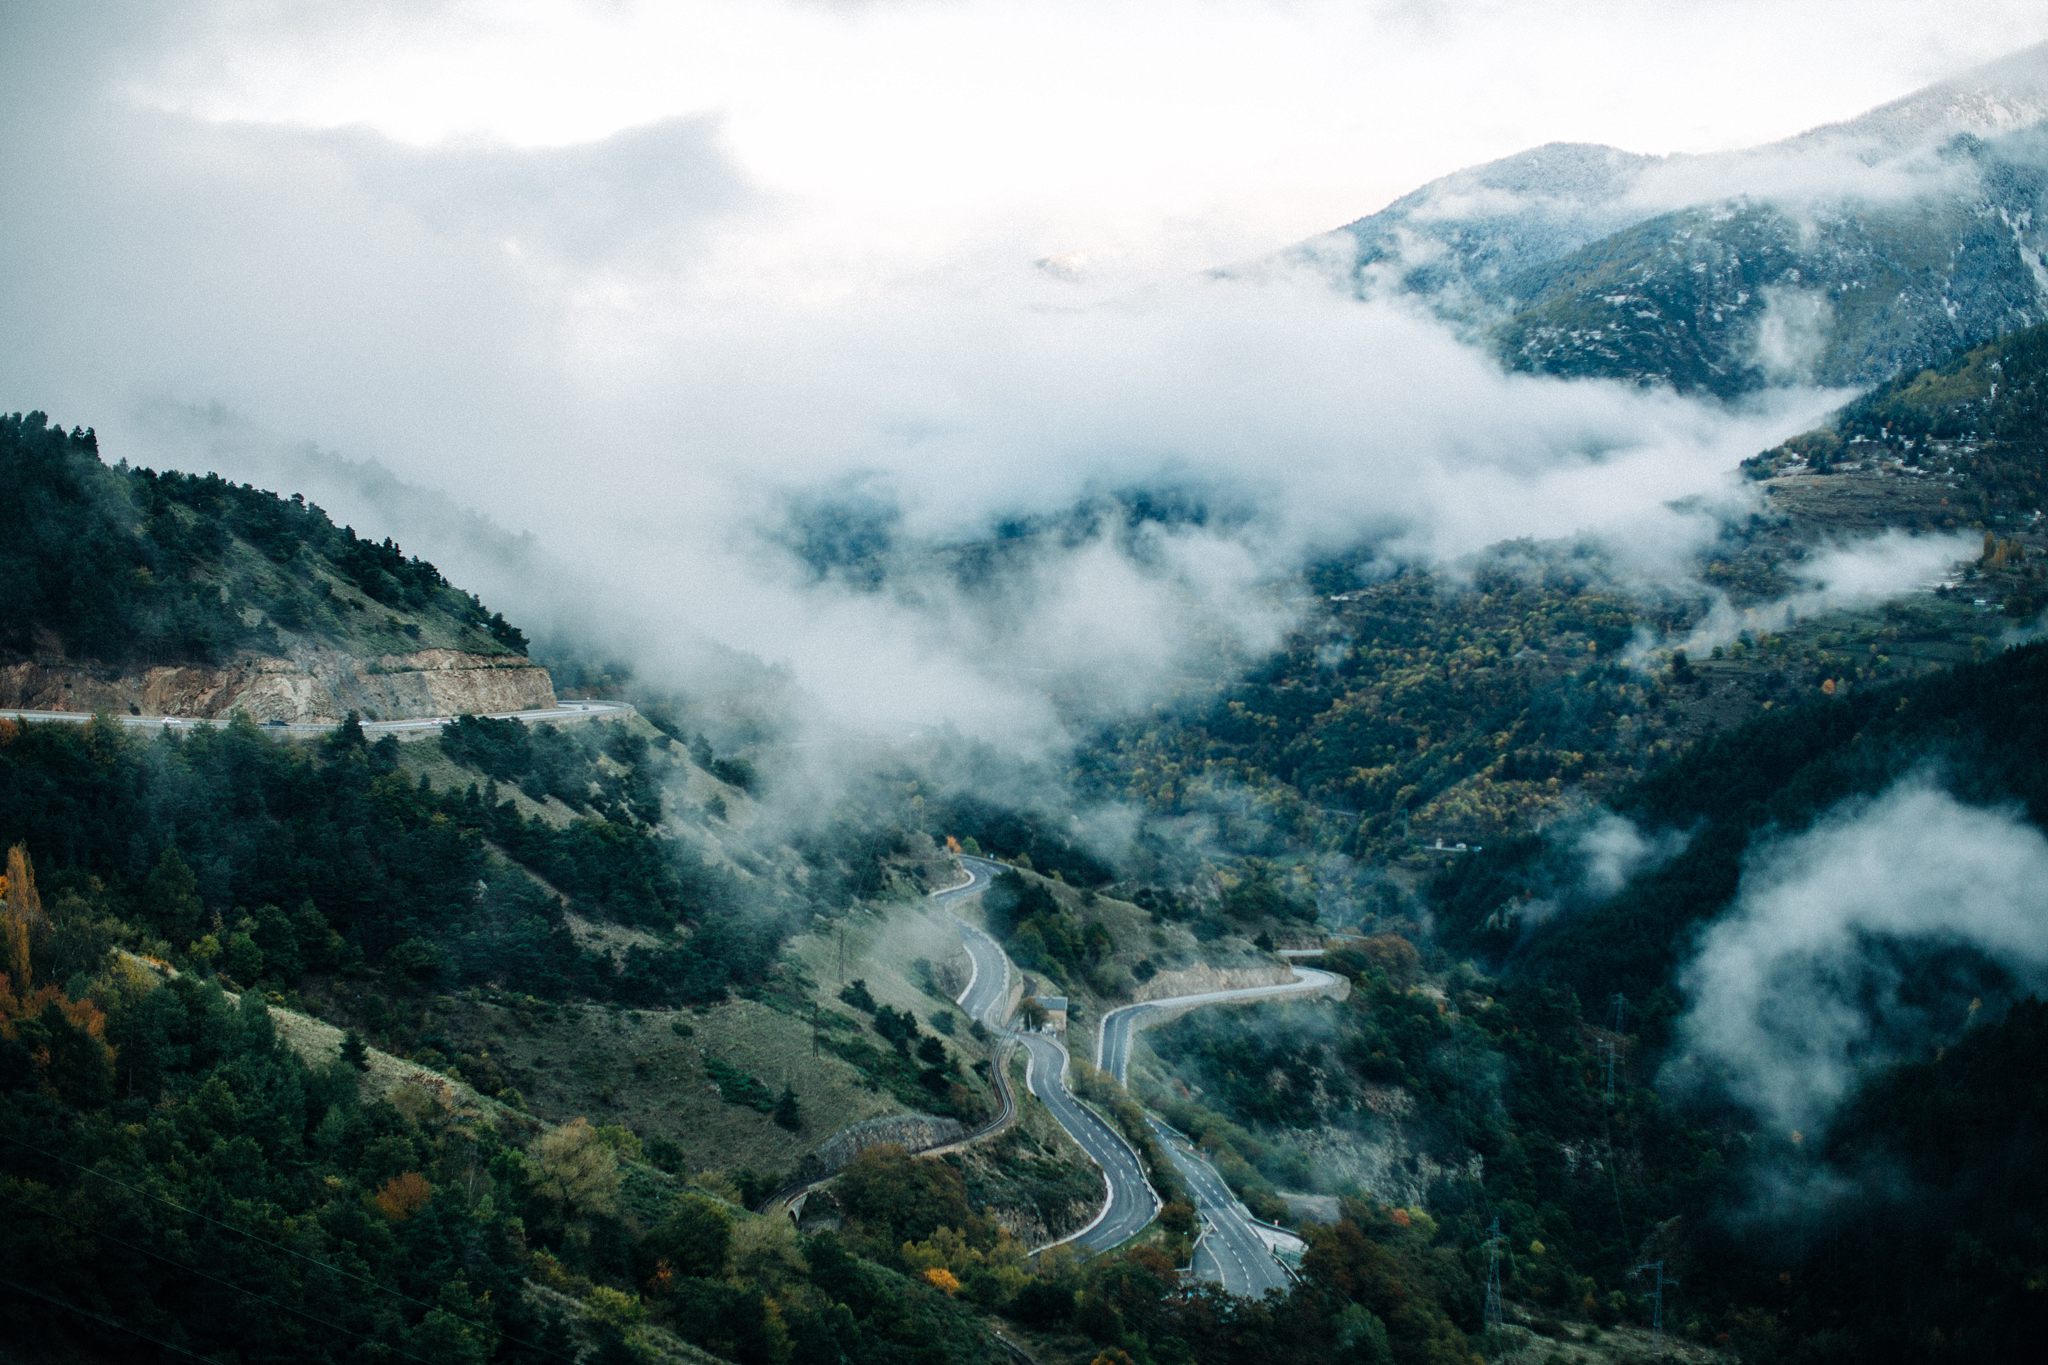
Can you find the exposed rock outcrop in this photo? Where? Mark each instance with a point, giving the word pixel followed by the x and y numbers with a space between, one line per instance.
pixel 310 685
pixel 1197 979
pixel 912 1132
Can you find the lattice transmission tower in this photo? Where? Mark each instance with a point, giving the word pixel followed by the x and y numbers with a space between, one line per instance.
pixel 1496 1311
pixel 1655 1296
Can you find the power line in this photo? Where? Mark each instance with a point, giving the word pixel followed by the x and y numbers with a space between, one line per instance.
pixel 1656 1300
pixel 1495 1313
pixel 289 1251
pixel 1610 1048
pixel 114 1323
pixel 176 1264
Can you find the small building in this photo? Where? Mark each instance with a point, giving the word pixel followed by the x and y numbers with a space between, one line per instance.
pixel 1055 1007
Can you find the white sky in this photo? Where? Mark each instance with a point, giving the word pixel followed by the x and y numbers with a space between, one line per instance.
pixel 1156 134
pixel 624 273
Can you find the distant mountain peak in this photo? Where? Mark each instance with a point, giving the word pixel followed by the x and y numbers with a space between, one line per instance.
pixel 1997 97
pixel 1890 238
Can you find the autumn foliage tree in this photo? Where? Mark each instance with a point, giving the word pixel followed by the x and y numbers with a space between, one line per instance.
pixel 577 1169
pixel 402 1196
pixel 21 917
pixel 63 1040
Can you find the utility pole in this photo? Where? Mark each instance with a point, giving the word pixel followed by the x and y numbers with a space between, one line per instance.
pixel 1495 1313
pixel 1610 1049
pixel 1655 1269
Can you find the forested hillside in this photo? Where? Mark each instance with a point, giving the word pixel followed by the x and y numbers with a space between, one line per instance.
pixel 1547 1095
pixel 1415 704
pixel 131 567
pixel 1976 426
pixel 1979 729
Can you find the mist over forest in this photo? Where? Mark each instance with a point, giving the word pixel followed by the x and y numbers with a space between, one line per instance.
pixel 926 682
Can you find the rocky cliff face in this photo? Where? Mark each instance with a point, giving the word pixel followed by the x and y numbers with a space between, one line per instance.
pixel 1204 977
pixel 310 686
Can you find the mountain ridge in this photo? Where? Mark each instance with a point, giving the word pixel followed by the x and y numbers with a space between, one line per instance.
pixel 1905 231
pixel 174 594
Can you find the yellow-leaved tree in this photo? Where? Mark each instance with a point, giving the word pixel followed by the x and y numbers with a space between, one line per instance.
pixel 21 917
pixel 577 1168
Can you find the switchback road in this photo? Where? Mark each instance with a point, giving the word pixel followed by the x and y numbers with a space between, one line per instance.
pixel 1120 1025
pixel 1129 1202
pixel 1231 1252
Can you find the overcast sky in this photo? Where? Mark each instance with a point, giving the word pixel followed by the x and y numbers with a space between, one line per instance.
pixel 1144 133
pixel 625 274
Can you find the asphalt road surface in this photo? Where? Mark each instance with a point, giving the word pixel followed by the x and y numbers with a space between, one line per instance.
pixel 1230 1251
pixel 1129 1202
pixel 566 713
pixel 1120 1025
pixel 987 995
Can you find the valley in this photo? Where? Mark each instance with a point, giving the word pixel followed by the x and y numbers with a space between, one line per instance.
pixel 1467 790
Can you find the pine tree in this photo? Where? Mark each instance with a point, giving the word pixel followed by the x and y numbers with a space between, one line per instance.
pixel 788 1113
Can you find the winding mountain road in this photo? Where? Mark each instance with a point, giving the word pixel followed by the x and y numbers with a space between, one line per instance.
pixel 1120 1026
pixel 1129 1201
pixel 987 995
pixel 1232 1251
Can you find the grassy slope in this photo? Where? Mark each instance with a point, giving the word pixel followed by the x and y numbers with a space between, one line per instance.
pixel 646 1068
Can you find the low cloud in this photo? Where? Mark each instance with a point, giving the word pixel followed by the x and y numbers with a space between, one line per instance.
pixel 1790 333
pixel 1857 944
pixel 1591 858
pixel 1842 576
pixel 612 349
pixel 641 424
pixel 1613 849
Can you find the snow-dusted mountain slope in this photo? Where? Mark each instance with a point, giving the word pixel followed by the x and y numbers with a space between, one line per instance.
pixel 1837 256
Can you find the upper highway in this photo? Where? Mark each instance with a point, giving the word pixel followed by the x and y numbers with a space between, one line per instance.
pixel 1120 1025
pixel 565 713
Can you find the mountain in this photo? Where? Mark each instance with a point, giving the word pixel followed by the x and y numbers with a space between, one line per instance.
pixel 1967 437
pixel 1839 256
pixel 1415 705
pixel 169 593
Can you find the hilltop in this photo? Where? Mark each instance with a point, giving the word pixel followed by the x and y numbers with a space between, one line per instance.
pixel 169 593
pixel 1836 257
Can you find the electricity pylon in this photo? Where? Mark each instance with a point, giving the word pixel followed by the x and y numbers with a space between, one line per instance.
pixel 1495 1314
pixel 1655 1269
